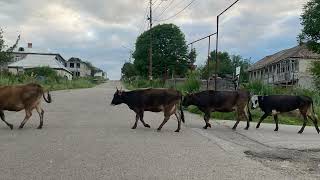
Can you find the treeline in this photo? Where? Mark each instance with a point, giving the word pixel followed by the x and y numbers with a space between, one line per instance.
pixel 171 57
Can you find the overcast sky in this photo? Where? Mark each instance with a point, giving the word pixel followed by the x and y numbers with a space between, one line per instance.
pixel 97 30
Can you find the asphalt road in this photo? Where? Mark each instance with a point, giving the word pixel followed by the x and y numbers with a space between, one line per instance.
pixel 85 138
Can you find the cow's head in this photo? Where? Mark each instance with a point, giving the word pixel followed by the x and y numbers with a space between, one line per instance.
pixel 117 97
pixel 255 101
pixel 187 100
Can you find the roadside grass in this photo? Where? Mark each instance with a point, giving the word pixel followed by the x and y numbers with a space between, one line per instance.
pixel 192 85
pixel 50 83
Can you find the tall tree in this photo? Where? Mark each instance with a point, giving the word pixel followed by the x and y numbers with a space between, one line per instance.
pixel 310 20
pixel 6 53
pixel 192 56
pixel 170 53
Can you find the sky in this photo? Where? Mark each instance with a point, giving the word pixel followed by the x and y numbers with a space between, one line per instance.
pixel 103 32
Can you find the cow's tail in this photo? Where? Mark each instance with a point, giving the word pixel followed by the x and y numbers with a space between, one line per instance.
pixel 181 110
pixel 48 99
pixel 248 109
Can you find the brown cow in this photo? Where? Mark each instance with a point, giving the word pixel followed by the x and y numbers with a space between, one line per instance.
pixel 19 97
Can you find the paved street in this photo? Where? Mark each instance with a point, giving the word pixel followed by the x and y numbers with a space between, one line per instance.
pixel 85 138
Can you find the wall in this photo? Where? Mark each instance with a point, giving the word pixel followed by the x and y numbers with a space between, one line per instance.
pixel 84 70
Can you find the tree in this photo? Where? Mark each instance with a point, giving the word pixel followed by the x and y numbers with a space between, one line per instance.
pixel 310 20
pixel 128 70
pixel 227 66
pixel 170 53
pixel 6 54
pixel 192 57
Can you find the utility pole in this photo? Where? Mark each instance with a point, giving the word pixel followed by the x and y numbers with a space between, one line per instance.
pixel 217 45
pixel 150 47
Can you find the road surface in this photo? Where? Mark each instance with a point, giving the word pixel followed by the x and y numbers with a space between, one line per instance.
pixel 85 138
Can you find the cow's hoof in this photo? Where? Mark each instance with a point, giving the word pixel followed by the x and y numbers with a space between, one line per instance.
pixel 209 125
pixel 205 127
pixel 276 130
pixel 300 132
pixel 234 128
pixel 177 130
pixel 147 125
pixel 134 127
pixel 158 130
pixel 40 127
pixel 246 128
pixel 258 126
pixel 11 126
pixel 20 127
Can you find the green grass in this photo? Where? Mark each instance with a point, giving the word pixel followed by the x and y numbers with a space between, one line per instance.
pixel 50 83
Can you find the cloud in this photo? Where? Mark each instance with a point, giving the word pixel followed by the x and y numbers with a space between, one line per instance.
pixel 95 30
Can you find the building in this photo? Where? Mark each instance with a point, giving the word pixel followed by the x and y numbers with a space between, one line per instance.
pixel 79 68
pixel 27 60
pixel 287 67
pixel 100 73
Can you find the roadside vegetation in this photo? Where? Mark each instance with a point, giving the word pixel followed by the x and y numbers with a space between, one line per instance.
pixel 47 78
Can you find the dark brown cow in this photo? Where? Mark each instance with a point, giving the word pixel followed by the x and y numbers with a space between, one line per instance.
pixel 27 97
pixel 154 100
pixel 221 101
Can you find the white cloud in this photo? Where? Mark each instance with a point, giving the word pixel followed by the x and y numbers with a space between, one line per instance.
pixel 95 30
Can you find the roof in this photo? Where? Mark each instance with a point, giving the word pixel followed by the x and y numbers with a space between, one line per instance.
pixel 39 60
pixel 32 53
pixel 300 52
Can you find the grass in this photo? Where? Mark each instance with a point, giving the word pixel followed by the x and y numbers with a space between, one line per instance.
pixel 50 83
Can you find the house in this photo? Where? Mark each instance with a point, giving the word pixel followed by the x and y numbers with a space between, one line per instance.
pixel 27 60
pixel 79 68
pixel 287 67
pixel 100 73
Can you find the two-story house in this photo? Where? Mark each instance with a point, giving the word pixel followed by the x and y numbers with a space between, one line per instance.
pixel 78 67
pixel 287 67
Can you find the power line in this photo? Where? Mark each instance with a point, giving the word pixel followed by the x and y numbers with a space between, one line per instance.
pixel 176 13
pixel 165 8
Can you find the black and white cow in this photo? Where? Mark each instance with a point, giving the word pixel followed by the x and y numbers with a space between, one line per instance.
pixel 275 104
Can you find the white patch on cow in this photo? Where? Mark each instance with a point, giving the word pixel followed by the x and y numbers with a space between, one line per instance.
pixel 254 101
pixel 274 112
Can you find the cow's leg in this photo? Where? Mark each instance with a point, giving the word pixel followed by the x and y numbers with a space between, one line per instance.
pixel 247 115
pixel 206 120
pixel 41 113
pixel 238 120
pixel 276 120
pixel 315 122
pixel 4 120
pixel 261 119
pixel 27 117
pixel 305 120
pixel 136 123
pixel 166 118
pixel 141 119
pixel 179 122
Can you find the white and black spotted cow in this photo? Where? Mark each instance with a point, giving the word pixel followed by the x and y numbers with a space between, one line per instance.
pixel 275 104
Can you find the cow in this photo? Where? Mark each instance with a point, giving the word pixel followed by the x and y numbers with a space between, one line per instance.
pixel 154 100
pixel 221 101
pixel 275 104
pixel 23 97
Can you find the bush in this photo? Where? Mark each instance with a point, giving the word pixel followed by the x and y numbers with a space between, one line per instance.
pixel 42 71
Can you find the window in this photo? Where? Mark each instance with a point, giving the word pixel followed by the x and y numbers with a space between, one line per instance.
pixel 77 74
pixel 72 65
pixel 78 65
